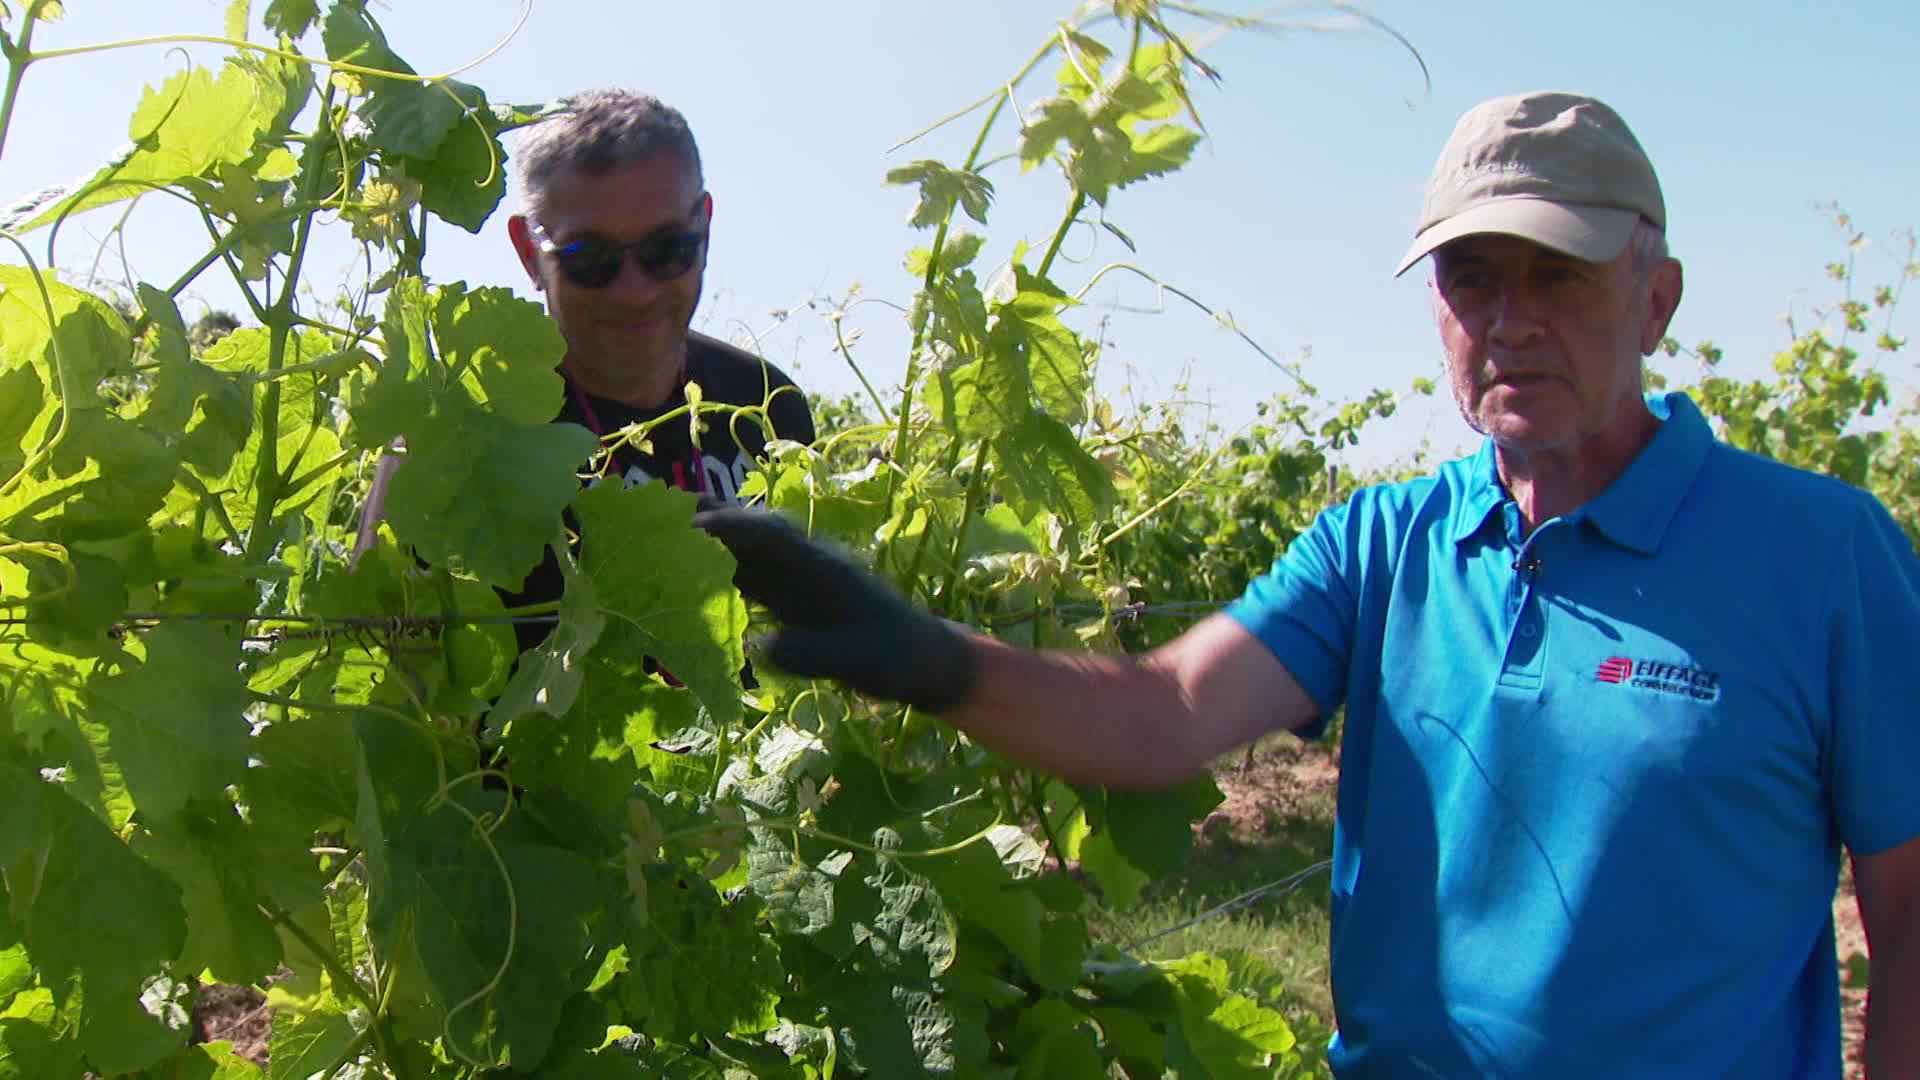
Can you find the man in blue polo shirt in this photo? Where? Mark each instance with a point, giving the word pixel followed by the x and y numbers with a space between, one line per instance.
pixel 1617 695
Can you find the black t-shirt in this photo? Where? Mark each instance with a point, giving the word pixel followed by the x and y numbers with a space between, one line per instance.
pixel 728 444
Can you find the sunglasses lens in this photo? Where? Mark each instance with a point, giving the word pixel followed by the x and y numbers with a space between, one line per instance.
pixel 593 263
pixel 667 257
pixel 590 264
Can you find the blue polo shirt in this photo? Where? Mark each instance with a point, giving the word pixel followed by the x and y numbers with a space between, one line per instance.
pixel 1591 808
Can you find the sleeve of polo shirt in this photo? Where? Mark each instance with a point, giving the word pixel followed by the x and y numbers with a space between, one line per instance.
pixel 1303 610
pixel 1874 630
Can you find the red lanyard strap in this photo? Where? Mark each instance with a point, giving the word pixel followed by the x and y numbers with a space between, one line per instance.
pixel 679 479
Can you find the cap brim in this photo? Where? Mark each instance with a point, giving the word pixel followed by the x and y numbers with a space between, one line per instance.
pixel 1589 233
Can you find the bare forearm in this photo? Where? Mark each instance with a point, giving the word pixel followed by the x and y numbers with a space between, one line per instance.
pixel 1893 1009
pixel 1122 721
pixel 1085 717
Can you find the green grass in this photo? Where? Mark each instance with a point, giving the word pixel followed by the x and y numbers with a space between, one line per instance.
pixel 1287 931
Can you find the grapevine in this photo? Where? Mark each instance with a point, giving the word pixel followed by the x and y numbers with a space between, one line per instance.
pixel 262 736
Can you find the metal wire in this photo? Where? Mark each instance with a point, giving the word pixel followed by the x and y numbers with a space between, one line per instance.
pixel 1246 899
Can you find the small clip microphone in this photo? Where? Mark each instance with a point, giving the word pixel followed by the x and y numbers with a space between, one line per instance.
pixel 1528 567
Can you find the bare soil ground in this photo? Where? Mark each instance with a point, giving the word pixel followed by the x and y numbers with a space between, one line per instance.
pixel 1268 791
pixel 223 1012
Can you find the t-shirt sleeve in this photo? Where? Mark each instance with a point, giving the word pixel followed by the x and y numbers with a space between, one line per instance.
pixel 1873 631
pixel 1303 610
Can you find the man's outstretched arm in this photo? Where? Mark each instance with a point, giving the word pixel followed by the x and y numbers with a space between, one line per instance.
pixel 1115 720
pixel 1126 721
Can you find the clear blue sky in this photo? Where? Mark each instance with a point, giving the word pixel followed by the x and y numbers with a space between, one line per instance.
pixel 1291 217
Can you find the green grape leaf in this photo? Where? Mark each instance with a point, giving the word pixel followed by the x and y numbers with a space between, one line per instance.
pixel 1057 369
pixel 890 1029
pixel 1218 1032
pixel 596 750
pixel 50 11
pixel 105 479
pixel 798 895
pixel 406 116
pixel 1054 119
pixel 85 341
pixel 689 928
pixel 1055 1040
pixel 24 407
pixel 1158 151
pixel 400 393
pixel 213 1061
pixel 292 17
pixel 306 435
pixel 910 933
pixel 1153 830
pixel 978 889
pixel 414 119
pixel 483 494
pixel 1120 881
pixel 337 922
pixel 212 856
pixel 58 860
pixel 83 600
pixel 47 715
pixel 177 719
pixel 503 349
pixel 306 780
pixel 239 14
pixel 666 588
pixel 127 1035
pixel 31 1050
pixel 962 248
pixel 206 412
pixel 244 351
pixel 446 890
pixel 16 968
pixel 169 331
pixel 251 199
pixel 849 507
pixel 549 675
pixel 308 1041
pixel 466 177
pixel 194 122
pixel 1051 470
pixel 1132 1037
pixel 478 648
pixel 941 189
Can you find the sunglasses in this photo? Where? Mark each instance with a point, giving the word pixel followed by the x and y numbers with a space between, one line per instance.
pixel 592 262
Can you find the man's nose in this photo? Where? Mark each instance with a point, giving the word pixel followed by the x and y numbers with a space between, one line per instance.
pixel 1516 317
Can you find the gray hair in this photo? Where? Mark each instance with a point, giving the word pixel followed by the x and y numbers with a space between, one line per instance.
pixel 1649 246
pixel 601 131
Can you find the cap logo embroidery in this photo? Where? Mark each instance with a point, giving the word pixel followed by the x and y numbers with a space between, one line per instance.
pixel 1471 173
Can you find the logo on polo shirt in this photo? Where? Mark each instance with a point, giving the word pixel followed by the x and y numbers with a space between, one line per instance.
pixel 1661 677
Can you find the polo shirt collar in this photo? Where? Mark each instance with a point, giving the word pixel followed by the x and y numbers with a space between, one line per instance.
pixel 1483 496
pixel 1636 509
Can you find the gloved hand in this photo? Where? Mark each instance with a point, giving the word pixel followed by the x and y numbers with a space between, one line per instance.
pixel 839 622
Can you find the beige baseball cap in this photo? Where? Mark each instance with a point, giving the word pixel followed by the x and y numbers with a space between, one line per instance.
pixel 1556 168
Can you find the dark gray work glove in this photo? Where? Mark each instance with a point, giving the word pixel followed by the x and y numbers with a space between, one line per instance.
pixel 838 621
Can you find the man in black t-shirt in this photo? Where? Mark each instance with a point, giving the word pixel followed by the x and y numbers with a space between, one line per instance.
pixel 614 232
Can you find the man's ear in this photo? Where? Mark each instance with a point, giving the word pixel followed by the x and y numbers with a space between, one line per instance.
pixel 1664 287
pixel 521 233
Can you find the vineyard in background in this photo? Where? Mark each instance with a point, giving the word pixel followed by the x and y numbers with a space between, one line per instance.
pixel 245 741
